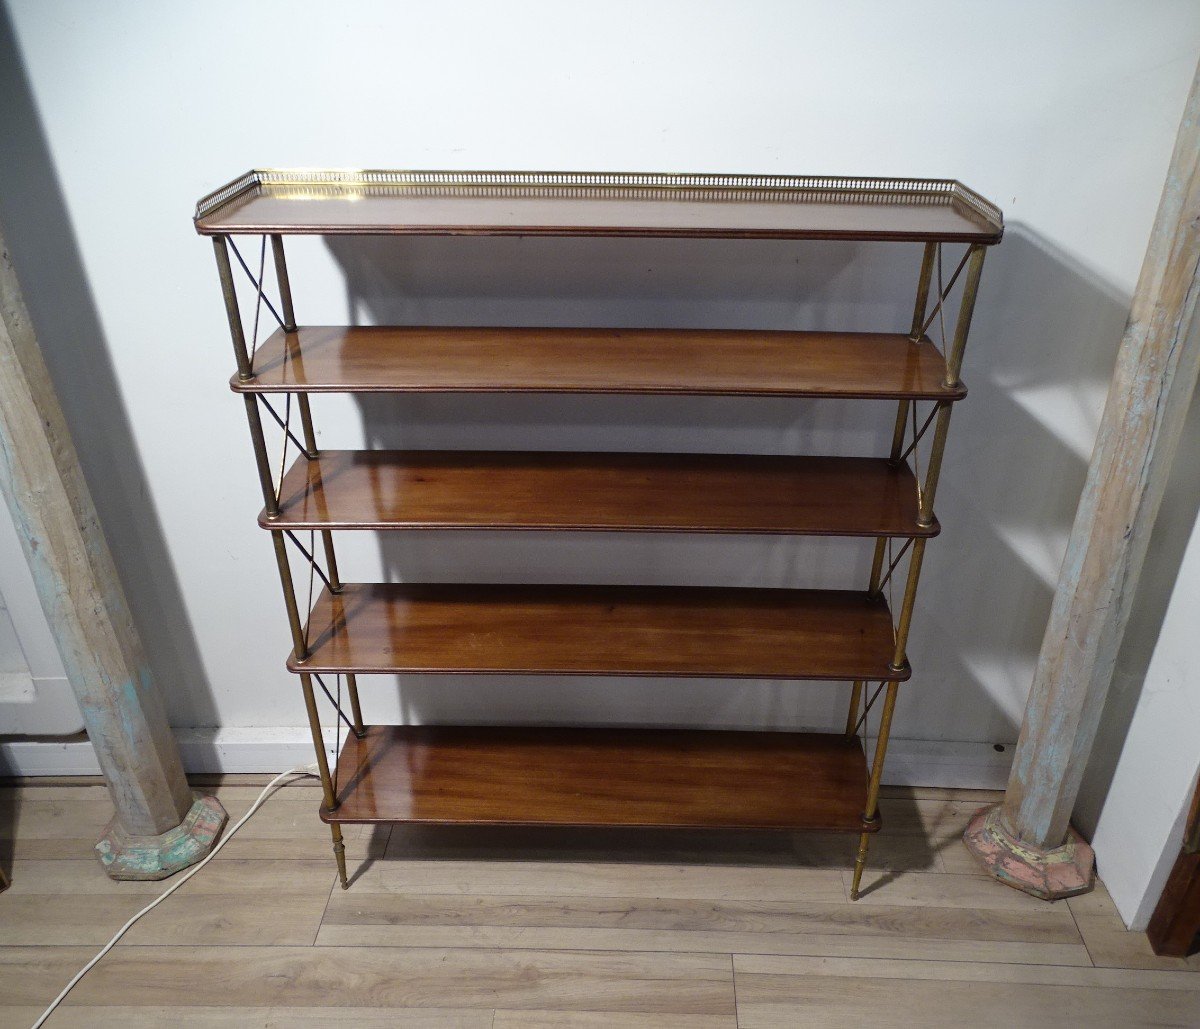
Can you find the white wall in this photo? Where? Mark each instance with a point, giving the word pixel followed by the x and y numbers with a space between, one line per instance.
pixel 1140 828
pixel 1064 113
pixel 1139 782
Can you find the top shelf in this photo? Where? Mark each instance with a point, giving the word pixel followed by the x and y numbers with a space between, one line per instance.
pixel 444 203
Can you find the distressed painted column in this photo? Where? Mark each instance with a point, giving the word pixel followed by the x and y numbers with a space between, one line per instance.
pixel 1027 841
pixel 160 826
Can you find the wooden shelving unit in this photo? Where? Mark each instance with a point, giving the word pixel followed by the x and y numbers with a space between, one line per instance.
pixel 598 777
pixel 369 359
pixel 500 489
pixel 457 775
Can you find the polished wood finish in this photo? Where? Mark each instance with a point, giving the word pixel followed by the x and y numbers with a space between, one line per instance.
pixel 601 630
pixel 594 777
pixel 444 359
pixel 388 489
pixel 513 203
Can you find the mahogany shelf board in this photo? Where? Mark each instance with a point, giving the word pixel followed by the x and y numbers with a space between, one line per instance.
pixel 439 203
pixel 390 489
pixel 695 362
pixel 601 630
pixel 602 777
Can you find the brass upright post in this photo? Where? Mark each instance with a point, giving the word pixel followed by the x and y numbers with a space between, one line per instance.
pixel 871 814
pixel 311 452
pixel 914 334
pixel 928 258
pixel 941 429
pixel 923 281
pixel 966 309
pixel 242 356
pixel 331 800
pixel 289 325
pixel 856 691
pixel 954 357
pixel 852 715
pixel 295 622
pixel 285 286
pixel 899 657
pixel 306 420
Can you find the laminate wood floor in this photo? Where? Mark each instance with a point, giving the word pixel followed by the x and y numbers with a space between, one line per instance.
pixel 521 929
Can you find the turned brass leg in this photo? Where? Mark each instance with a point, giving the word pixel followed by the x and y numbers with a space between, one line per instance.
pixel 860 862
pixel 339 854
pixel 871 814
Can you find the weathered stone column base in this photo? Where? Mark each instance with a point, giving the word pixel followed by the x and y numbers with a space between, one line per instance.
pixel 1048 874
pixel 155 857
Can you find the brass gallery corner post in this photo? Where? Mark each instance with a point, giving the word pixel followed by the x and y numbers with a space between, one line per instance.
pixel 160 825
pixel 456 775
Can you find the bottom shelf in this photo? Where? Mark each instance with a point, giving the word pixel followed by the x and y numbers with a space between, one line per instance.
pixel 662 778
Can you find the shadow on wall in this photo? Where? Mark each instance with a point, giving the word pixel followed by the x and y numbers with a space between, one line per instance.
pixel 47 259
pixel 1041 355
pixel 1173 530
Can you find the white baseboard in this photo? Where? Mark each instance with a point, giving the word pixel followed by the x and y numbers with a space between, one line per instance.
pixel 909 762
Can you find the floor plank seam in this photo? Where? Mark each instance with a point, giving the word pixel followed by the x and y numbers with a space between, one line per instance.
pixel 1182 973
pixel 324 910
pixel 1082 936
pixel 626 950
pixel 737 1014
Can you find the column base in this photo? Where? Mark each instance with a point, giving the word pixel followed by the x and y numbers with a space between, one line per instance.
pixel 1049 874
pixel 155 857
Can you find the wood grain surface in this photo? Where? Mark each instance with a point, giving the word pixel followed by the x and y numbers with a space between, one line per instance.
pixel 601 777
pixel 444 359
pixel 471 927
pixel 601 630
pixel 390 489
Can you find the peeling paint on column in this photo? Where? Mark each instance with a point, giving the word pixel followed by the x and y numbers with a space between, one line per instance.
pixel 1152 386
pixel 159 825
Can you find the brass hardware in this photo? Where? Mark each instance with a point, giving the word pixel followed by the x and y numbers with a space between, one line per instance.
pixel 877 565
pixel 351 182
pixel 285 287
pixel 899 660
pixel 965 311
pixel 923 281
pixel 299 643
pixel 339 854
pixel 973 262
pixel 311 452
pixel 306 426
pixel 355 710
pixel 871 814
pixel 261 460
pixel 242 356
pixel 898 432
pixel 314 724
pixel 852 717
pixel 331 800
pixel 934 471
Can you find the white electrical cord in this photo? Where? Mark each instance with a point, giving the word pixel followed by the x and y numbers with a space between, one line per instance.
pixel 309 770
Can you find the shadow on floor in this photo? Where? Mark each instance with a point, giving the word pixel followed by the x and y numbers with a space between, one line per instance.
pixel 904 845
